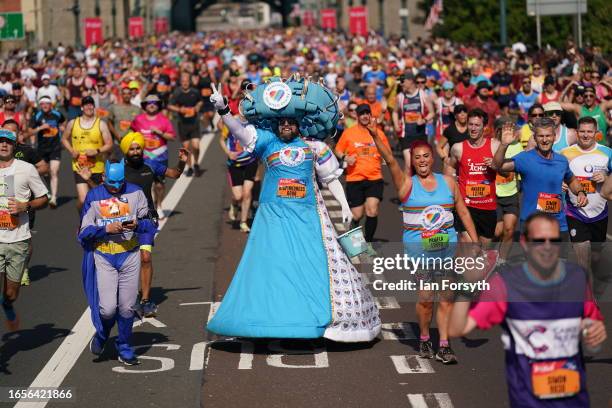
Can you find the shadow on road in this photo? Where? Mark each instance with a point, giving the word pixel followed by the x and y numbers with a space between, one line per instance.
pixel 38 272
pixel 25 340
pixel 159 294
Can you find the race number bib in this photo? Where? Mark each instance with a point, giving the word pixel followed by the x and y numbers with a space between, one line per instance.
pixel 151 142
pixel 291 188
pixel 475 189
pixel 50 132
pixel 587 184
pixel 85 161
pixel 434 240
pixel 124 125
pixel 555 379
pixel 206 92
pixel 549 203
pixel 115 209
pixel 189 112
pixel 75 101
pixel 412 117
pixel 103 113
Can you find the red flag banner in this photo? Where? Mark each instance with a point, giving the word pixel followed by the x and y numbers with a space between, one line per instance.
pixel 308 18
pixel 161 25
pixel 93 31
pixel 136 27
pixel 328 19
pixel 358 20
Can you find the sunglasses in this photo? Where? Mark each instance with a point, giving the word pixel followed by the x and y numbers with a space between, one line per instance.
pixel 284 122
pixel 554 113
pixel 589 95
pixel 421 82
pixel 541 241
pixel 537 115
pixel 9 101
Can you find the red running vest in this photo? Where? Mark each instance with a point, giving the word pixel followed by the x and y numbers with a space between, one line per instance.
pixel 476 180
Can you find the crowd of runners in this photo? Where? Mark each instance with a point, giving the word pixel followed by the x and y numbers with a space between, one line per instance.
pixel 520 138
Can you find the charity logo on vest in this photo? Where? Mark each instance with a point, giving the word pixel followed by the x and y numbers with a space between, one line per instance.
pixel 292 156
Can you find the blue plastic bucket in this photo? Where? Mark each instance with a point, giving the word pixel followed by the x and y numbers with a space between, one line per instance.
pixel 353 242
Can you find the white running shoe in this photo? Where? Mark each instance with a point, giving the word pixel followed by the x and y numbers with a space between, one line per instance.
pixel 232 212
pixel 244 227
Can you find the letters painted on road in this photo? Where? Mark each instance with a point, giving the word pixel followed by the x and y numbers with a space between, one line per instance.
pixel 412 364
pixel 167 364
pixel 276 360
pixel 435 400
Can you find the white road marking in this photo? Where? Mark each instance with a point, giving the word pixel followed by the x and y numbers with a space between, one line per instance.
pixel 197 356
pixel 276 360
pixel 326 193
pixel 67 354
pixel 246 355
pixel 397 331
pixel 340 227
pixel 356 260
pixel 609 236
pixel 387 302
pixel 151 320
pixel 195 303
pixel 441 400
pixel 211 312
pixel 332 203
pixel 412 364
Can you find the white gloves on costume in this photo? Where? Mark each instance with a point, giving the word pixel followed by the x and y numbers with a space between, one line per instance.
pixel 217 97
pixel 337 191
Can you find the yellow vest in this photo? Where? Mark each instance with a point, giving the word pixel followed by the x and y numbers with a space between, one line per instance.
pixel 84 139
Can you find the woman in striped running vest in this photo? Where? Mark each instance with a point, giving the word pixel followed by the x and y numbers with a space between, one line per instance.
pixel 428 201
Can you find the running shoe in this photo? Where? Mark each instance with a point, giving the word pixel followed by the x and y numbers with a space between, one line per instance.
pixel 138 309
pixel 189 172
pixel 232 212
pixel 446 355
pixel 25 278
pixel 426 349
pixel 96 346
pixel 149 309
pixel 53 203
pixel 12 320
pixel 244 227
pixel 129 360
pixel 197 170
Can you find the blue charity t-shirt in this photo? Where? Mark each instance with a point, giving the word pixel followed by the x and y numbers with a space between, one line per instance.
pixel 541 184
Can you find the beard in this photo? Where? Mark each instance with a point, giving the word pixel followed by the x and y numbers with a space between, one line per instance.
pixel 135 161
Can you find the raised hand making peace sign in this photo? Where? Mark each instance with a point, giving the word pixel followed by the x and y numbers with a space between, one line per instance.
pixel 217 97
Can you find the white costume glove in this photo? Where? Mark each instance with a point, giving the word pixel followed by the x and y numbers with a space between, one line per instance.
pixel 217 98
pixel 335 187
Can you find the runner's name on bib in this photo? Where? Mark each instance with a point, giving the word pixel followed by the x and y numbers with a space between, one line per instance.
pixel 434 240
pixel 555 379
pixel 412 117
pixel 475 189
pixel 587 184
pixel 549 203
pixel 291 188
pixel 8 221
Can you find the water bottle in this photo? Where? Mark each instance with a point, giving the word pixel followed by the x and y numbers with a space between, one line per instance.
pixel 589 349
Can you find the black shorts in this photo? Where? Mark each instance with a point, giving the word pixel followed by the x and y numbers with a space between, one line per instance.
pixel 96 178
pixel 484 221
pixel 358 191
pixel 507 205
pixel 406 141
pixel 48 153
pixel 238 175
pixel 595 232
pixel 189 131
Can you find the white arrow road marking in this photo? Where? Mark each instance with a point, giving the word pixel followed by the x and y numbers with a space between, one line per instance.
pixel 67 354
pixel 412 364
pixel 435 400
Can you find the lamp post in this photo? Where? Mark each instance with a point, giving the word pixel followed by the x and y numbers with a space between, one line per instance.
pixel 404 16
pixel 76 10
pixel 381 16
pixel 114 17
pixel 503 32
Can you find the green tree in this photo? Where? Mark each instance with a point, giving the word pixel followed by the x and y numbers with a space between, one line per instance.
pixel 478 21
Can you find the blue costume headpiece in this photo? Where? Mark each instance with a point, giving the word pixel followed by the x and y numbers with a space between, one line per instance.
pixel 114 174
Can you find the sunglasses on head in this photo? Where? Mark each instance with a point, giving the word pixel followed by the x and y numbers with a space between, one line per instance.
pixel 545 240
pixel 554 113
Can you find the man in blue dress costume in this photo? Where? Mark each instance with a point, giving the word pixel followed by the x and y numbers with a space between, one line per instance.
pixel 294 280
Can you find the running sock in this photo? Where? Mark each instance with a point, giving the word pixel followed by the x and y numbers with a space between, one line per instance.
pixel 424 338
pixel 443 343
pixel 370 228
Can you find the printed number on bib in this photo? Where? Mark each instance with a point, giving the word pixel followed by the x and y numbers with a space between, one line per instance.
pixel 555 379
pixel 51 132
pixel 549 203
pixel 412 117
pixel 116 209
pixel 189 112
pixel 7 221
pixel 75 101
pixel 291 188
pixel 587 184
pixel 103 113
pixel 434 240
pixel 475 189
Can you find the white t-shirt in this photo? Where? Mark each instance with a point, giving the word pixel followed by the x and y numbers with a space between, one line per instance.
pixel 51 91
pixel 21 181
